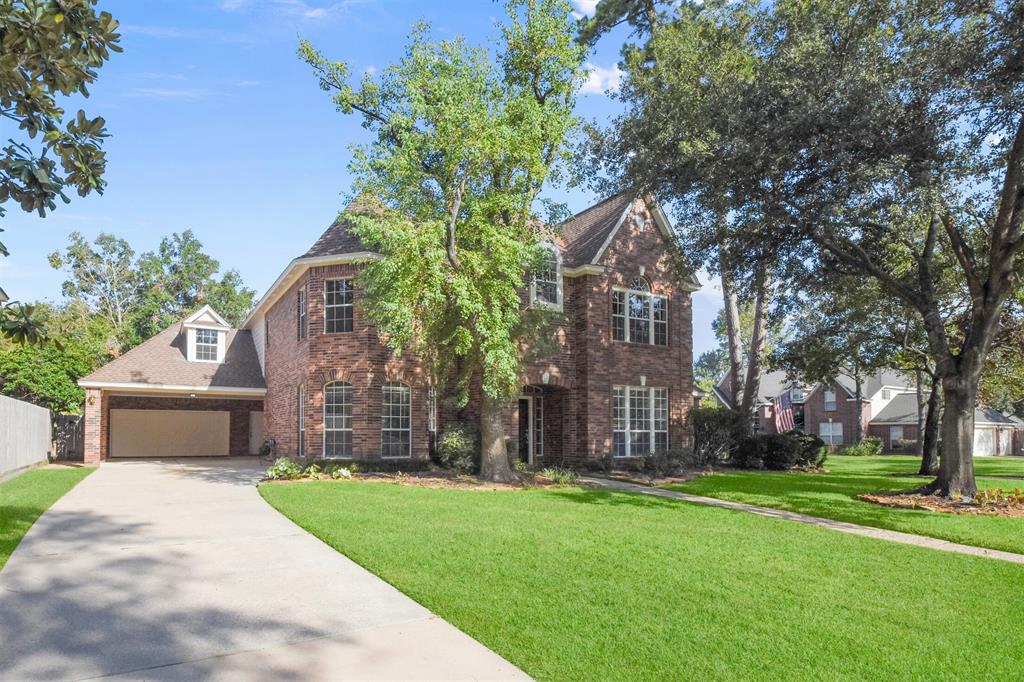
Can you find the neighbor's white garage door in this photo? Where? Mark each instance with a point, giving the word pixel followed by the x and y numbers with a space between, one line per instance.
pixel 984 441
pixel 169 433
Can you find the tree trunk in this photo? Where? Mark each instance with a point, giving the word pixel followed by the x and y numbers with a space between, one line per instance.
pixel 757 342
pixel 922 406
pixel 494 465
pixel 956 464
pixel 858 396
pixel 929 436
pixel 735 342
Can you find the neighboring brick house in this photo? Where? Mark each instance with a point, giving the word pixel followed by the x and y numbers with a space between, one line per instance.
pixel 620 382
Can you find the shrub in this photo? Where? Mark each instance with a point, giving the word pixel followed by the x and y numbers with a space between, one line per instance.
pixel 811 450
pixel 666 462
pixel 779 451
pixel 337 471
pixel 283 469
pixel 868 447
pixel 997 497
pixel 560 475
pixel 313 471
pixel 521 467
pixel 458 449
pixel 749 453
pixel 714 435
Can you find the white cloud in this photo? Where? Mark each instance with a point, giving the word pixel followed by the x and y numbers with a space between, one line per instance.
pixel 584 8
pixel 601 80
pixel 190 94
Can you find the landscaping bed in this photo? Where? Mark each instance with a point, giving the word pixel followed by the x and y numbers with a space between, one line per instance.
pixel 990 502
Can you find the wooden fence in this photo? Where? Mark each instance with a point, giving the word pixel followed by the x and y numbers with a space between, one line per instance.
pixel 25 435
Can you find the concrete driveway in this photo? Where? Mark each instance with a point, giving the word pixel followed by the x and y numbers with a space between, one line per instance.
pixel 177 569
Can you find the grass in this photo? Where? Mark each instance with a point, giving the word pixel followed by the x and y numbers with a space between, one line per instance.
pixel 833 495
pixel 575 584
pixel 24 498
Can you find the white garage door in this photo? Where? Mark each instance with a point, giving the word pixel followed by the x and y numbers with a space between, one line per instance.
pixel 169 433
pixel 984 441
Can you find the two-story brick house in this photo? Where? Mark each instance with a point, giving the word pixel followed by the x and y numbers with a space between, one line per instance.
pixel 310 371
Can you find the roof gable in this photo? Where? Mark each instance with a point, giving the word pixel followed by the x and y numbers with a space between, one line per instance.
pixel 205 317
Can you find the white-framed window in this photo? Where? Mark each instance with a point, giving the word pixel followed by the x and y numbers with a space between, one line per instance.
pixel 830 400
pixel 546 280
pixel 895 436
pixel 639 420
pixel 338 420
pixel 831 432
pixel 886 393
pixel 337 306
pixel 638 315
pixel 207 341
pixel 432 409
pixel 302 312
pixel 538 426
pixel 796 394
pixel 300 420
pixel 396 421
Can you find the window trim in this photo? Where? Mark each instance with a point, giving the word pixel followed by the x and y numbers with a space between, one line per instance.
pixel 300 420
pixel 351 419
pixel 825 394
pixel 892 432
pixel 302 314
pixel 196 343
pixel 652 431
pixel 408 429
pixel 559 302
pixel 351 305
pixel 650 297
pixel 831 436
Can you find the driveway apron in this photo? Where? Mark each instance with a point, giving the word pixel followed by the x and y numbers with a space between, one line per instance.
pixel 177 569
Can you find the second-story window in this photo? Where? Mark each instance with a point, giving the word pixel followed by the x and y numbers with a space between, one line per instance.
pixel 546 282
pixel 830 400
pixel 206 345
pixel 638 315
pixel 302 313
pixel 337 306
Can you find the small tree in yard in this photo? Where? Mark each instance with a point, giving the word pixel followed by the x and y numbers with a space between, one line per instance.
pixel 464 142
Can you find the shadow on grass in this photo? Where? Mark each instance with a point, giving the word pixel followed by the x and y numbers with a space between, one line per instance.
pixel 614 498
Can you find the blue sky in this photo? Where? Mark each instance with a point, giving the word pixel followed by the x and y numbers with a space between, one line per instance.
pixel 217 127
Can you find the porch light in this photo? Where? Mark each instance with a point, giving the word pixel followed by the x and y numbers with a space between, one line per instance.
pixel 545 377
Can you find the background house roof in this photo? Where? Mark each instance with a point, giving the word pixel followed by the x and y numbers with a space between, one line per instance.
pixel 162 360
pixel 902 409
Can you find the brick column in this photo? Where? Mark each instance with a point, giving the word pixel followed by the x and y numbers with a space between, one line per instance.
pixel 96 428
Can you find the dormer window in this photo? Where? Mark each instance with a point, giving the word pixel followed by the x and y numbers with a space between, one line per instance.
pixel 546 283
pixel 206 336
pixel 207 345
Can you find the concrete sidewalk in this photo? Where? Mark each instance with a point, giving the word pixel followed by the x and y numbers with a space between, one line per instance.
pixel 842 526
pixel 177 569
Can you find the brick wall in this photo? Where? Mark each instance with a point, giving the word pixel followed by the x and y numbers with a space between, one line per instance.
pixel 575 379
pixel 846 412
pixel 96 425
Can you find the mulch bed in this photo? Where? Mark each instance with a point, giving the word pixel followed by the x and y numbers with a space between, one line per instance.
pixel 439 479
pixel 938 503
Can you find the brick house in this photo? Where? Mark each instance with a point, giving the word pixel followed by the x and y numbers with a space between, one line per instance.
pixel 310 371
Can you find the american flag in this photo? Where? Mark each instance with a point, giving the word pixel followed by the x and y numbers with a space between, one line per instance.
pixel 783 413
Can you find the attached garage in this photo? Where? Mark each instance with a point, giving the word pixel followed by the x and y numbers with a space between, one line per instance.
pixel 195 389
pixel 170 433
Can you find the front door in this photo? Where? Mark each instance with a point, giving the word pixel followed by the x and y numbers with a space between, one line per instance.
pixel 526 429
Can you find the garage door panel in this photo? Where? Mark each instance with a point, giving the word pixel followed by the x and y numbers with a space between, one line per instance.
pixel 169 433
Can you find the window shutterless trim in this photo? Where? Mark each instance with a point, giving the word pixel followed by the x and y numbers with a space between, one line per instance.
pixel 627 319
pixel 651 408
pixel 349 289
pixel 348 388
pixel 392 385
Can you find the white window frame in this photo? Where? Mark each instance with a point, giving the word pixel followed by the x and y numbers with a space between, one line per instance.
pixel 206 345
pixel 830 400
pixel 343 384
pixel 831 436
pixel 350 305
pixel 557 304
pixel 432 409
pixel 796 395
pixel 407 429
pixel 649 299
pixel 886 394
pixel 300 420
pixel 654 395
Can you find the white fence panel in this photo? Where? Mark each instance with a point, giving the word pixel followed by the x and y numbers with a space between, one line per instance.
pixel 24 434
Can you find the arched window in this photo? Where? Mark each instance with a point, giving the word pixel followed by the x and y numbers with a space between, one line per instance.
pixel 338 420
pixel 546 282
pixel 638 315
pixel 395 421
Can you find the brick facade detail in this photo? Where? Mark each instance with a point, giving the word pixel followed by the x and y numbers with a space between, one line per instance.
pixel 574 382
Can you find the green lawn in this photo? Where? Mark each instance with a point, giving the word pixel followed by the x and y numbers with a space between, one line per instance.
pixel 577 584
pixel 24 498
pixel 834 495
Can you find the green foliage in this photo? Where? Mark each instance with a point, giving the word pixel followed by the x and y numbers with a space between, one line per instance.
pixel 458 448
pixel 284 469
pixel 714 434
pixel 779 451
pixel 339 472
pixel 464 140
pixel 664 463
pixel 49 49
pixel 869 446
pixel 560 475
pixel 313 471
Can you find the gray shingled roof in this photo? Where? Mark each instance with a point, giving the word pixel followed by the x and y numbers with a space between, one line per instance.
pixel 581 235
pixel 161 360
pixel 902 409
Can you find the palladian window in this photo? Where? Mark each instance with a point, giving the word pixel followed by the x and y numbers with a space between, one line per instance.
pixel 638 315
